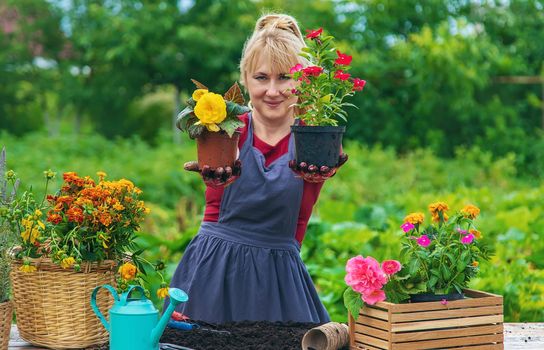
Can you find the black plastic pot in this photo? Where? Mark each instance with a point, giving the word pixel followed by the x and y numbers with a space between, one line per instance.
pixel 426 297
pixel 318 145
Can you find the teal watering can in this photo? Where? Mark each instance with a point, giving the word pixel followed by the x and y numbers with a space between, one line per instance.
pixel 134 323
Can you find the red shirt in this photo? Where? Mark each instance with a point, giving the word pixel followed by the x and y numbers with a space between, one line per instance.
pixel 309 195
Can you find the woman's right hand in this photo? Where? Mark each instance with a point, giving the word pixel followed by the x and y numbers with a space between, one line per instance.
pixel 218 177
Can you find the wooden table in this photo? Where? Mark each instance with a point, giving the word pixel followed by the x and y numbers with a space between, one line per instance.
pixel 526 336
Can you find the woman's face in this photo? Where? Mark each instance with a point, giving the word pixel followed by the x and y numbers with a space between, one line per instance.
pixel 270 92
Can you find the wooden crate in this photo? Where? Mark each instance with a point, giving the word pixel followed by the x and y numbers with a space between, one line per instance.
pixel 473 323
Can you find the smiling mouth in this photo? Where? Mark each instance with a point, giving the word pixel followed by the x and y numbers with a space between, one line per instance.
pixel 273 103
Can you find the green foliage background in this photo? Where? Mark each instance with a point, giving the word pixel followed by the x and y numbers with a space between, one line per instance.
pixel 359 212
pixel 88 85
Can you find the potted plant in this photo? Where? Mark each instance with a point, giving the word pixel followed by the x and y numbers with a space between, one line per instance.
pixel 69 243
pixel 322 89
pixel 437 262
pixel 213 121
pixel 8 188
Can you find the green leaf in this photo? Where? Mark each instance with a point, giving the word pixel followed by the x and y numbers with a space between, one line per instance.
pixel 230 125
pixel 353 302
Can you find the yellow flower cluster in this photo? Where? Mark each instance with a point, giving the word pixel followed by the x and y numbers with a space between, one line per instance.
pixel 128 271
pixel 210 109
pixel 437 208
pixel 33 226
pixel 470 211
pixel 415 218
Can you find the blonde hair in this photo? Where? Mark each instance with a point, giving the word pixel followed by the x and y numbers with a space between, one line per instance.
pixel 278 38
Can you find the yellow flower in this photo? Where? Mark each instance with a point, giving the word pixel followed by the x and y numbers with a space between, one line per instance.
pixel 101 175
pixel 27 268
pixel 162 292
pixel 475 264
pixel 118 206
pixel 38 212
pixel 210 109
pixel 476 233
pixel 470 211
pixel 67 262
pixel 436 218
pixel 128 271
pixel 415 218
pixel 198 93
pixel 434 208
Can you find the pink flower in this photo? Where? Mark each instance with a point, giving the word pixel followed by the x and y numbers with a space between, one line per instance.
pixel 467 239
pixel 340 74
pixel 297 68
pixel 313 70
pixel 463 232
pixel 364 275
pixel 407 227
pixel 358 84
pixel 391 267
pixel 444 302
pixel 373 297
pixel 424 241
pixel 313 34
pixel 343 59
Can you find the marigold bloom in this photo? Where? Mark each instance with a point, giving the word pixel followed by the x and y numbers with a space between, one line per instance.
pixel 475 264
pixel 128 271
pixel 67 262
pixel 101 175
pixel 210 109
pixel 470 211
pixel 436 217
pixel 415 218
pixel 162 292
pixel 476 233
pixel 198 93
pixel 53 218
pixel 434 208
pixel 27 268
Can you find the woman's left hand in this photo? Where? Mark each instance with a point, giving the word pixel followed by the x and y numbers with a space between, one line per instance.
pixel 315 174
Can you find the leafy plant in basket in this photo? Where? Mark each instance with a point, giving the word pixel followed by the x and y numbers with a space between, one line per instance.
pixel 438 261
pixel 322 89
pixel 213 120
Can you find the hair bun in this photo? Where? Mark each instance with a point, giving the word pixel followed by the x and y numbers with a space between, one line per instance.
pixel 279 21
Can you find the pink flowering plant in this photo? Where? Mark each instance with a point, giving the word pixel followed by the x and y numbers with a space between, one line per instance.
pixel 439 258
pixel 325 82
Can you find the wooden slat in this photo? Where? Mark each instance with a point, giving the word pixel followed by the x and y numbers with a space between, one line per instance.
pixel 359 346
pixel 436 324
pixel 380 344
pixel 454 304
pixel 373 322
pixel 499 346
pixel 447 333
pixel 373 312
pixel 449 343
pixel 441 314
pixel 374 332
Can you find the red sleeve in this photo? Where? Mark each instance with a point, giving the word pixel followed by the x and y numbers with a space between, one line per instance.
pixel 310 194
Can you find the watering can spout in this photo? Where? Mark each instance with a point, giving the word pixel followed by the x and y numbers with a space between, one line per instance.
pixel 177 296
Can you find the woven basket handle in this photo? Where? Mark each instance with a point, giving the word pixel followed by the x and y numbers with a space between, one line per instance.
pixel 95 307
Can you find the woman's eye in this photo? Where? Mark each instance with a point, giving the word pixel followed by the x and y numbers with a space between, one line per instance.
pixel 260 77
pixel 285 77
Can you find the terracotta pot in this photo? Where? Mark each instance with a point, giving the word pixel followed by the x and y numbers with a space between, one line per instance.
pixel 318 145
pixel 217 149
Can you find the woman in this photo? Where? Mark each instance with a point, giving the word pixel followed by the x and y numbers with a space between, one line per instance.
pixel 244 263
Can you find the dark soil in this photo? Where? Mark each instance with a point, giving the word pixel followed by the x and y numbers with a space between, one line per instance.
pixel 243 335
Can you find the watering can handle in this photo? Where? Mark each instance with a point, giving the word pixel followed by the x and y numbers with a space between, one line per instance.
pixel 124 296
pixel 95 307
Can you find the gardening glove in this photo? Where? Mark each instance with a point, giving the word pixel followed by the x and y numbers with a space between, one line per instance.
pixel 219 177
pixel 315 174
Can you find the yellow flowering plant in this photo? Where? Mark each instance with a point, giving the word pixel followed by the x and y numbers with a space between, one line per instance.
pixel 209 111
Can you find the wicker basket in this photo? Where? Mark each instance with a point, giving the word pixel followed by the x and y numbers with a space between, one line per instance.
pixel 53 305
pixel 6 314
